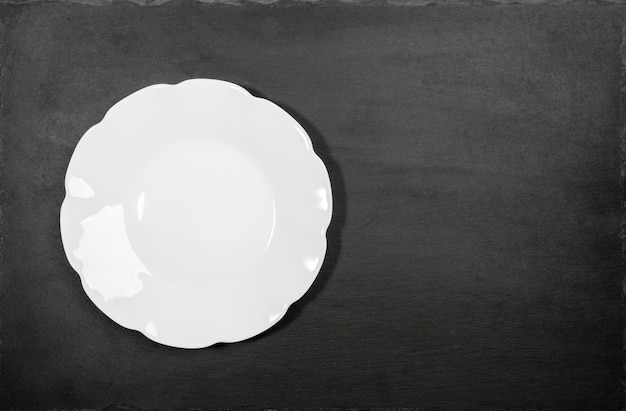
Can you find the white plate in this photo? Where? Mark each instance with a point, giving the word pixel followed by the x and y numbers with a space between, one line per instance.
pixel 195 213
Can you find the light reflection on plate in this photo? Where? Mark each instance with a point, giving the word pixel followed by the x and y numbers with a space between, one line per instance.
pixel 196 213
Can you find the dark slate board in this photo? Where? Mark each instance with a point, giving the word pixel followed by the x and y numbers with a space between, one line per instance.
pixel 474 257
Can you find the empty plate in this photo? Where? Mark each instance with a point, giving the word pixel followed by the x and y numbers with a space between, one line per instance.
pixel 196 213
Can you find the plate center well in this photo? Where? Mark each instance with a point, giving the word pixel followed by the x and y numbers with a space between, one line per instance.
pixel 200 213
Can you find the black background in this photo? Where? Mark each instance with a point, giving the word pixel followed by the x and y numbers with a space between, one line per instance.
pixel 474 255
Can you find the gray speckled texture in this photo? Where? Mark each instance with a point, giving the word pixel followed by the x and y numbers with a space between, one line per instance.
pixel 419 3
pixel 474 260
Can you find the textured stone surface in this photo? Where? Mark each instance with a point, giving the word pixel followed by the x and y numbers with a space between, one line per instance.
pixel 474 258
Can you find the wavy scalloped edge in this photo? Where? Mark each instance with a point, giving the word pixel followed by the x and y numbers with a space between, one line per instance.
pixel 323 232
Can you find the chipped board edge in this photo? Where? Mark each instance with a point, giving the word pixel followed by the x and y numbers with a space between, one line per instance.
pixel 3 63
pixel 409 3
pixel 622 103
pixel 2 194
